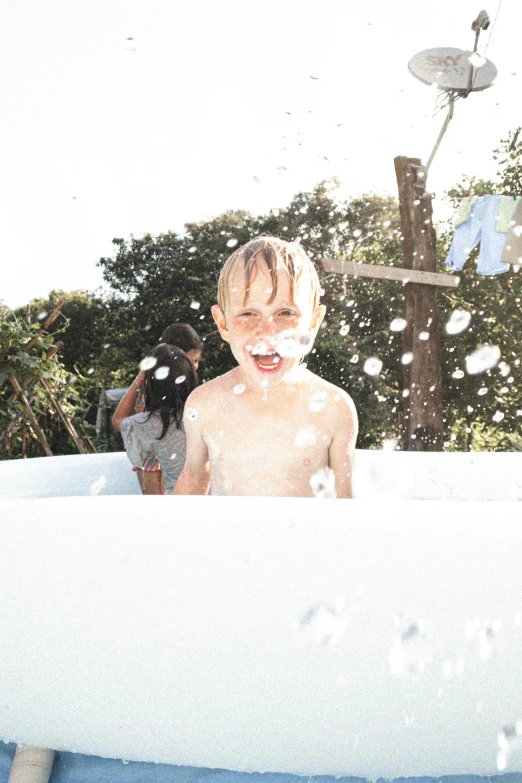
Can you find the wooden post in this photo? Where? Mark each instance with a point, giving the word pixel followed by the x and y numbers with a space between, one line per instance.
pixel 31 765
pixel 422 422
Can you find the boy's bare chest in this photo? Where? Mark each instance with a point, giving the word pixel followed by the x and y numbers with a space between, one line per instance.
pixel 276 438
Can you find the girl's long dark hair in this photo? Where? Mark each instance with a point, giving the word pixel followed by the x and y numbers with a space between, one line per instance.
pixel 168 384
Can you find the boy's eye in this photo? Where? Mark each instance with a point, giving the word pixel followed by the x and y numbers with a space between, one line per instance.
pixel 286 312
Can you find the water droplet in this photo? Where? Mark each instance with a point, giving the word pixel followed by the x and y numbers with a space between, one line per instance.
pixel 107 345
pixel 458 321
pixel 504 368
pixel 305 437
pixel 191 414
pixel 398 325
pixel 318 401
pixel 509 741
pixel 41 316
pixel 147 328
pixel 458 374
pixel 72 379
pixel 192 249
pixel 98 485
pixel 424 335
pixel 90 371
pixel 355 358
pixel 239 388
pixel 343 331
pixel 324 624
pixel 498 416
pixel 232 242
pixel 484 358
pixel 411 650
pixel 173 456
pixel 477 60
pixel 372 366
pixel 161 373
pixel 125 761
pixel 195 305
pixel 323 483
pixel 357 233
pixel 407 357
pixel 179 379
pixel 481 392
pixel 148 363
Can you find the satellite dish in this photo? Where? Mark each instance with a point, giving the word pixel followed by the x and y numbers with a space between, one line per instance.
pixel 449 69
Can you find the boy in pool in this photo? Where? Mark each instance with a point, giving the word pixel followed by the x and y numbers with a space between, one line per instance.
pixel 269 426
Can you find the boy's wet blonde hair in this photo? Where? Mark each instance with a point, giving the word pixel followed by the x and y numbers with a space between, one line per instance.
pixel 277 254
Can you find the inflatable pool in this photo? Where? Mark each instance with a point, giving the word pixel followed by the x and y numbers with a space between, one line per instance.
pixel 379 637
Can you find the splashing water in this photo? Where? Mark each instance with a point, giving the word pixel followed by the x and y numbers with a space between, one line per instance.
pixel 195 305
pixel 484 358
pixel 148 363
pixel 343 331
pixel 239 388
pixel 162 373
pixel 407 357
pixel 97 486
pixel 398 325
pixel 324 624
pixel 191 414
pixel 504 368
pixel 232 242
pixel 509 740
pixel 179 379
pixel 317 401
pixel 372 366
pixel 411 650
pixel 305 437
pixel 291 343
pixel 458 374
pixel 458 321
pixel 323 483
pixel 498 416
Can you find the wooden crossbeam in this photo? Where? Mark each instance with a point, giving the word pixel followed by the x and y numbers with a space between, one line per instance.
pixel 383 272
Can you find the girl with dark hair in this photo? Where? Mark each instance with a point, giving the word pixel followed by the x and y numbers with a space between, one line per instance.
pixel 186 338
pixel 167 378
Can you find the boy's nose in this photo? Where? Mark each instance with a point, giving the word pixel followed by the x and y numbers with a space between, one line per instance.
pixel 266 327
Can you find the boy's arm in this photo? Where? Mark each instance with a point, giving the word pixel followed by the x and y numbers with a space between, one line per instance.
pixel 342 447
pixel 195 476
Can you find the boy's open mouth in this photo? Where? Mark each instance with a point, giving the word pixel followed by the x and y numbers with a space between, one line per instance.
pixel 267 360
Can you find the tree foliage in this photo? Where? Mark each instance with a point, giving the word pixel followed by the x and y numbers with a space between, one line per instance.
pixel 158 280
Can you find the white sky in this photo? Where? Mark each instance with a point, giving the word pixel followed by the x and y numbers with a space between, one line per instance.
pixel 102 137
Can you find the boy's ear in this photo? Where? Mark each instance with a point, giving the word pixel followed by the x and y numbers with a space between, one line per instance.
pixel 317 317
pixel 220 320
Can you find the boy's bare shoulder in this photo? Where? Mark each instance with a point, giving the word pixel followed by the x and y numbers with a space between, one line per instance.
pixel 336 402
pixel 213 393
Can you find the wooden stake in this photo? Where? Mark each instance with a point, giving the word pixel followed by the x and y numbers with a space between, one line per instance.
pixel 422 378
pixel 48 321
pixel 65 419
pixel 30 415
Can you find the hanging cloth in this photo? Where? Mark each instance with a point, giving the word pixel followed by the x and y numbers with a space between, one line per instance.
pixel 480 226
pixel 513 248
